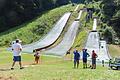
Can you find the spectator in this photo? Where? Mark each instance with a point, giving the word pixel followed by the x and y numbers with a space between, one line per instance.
pixel 110 62
pixel 103 63
pixel 94 56
pixel 85 55
pixel 76 58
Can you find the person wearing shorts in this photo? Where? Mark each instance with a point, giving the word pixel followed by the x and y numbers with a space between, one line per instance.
pixel 17 48
pixel 76 58
pixel 85 55
pixel 94 56
pixel 37 56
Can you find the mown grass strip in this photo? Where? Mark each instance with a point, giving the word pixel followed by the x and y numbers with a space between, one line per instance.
pixel 51 68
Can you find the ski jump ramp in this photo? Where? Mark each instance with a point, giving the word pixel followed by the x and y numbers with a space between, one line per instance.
pixel 51 37
pixel 93 43
pixel 66 43
pixel 68 40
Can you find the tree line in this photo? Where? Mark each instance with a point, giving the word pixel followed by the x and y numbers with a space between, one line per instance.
pixel 110 10
pixel 16 12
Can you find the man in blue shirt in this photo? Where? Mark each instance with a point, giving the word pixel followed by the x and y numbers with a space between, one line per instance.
pixel 85 55
pixel 76 58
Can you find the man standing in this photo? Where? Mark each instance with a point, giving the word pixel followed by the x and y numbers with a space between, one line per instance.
pixel 85 55
pixel 76 58
pixel 17 48
pixel 94 56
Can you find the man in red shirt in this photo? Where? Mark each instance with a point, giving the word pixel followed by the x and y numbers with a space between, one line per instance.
pixel 94 56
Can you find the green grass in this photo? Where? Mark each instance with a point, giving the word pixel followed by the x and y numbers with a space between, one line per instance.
pixel 84 29
pixel 80 41
pixel 35 29
pixel 114 50
pixel 51 68
pixel 73 16
pixel 80 7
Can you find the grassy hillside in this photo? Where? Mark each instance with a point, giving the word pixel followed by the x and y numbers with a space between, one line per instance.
pixel 84 29
pixel 35 29
pixel 51 68
pixel 72 18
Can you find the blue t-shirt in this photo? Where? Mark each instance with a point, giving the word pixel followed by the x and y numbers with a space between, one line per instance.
pixel 76 55
pixel 85 54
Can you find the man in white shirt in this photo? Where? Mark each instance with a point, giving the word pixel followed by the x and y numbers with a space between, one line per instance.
pixel 17 48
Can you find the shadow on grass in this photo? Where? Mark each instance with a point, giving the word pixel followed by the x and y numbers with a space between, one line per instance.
pixel 5 69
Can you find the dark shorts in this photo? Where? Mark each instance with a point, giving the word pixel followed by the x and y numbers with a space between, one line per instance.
pixel 17 58
pixel 76 61
pixel 93 61
pixel 85 60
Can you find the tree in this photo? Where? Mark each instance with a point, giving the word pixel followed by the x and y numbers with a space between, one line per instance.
pixel 62 2
pixel 16 12
pixel 108 9
pixel 108 35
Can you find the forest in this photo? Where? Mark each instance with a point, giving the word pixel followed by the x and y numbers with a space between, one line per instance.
pixel 110 15
pixel 17 12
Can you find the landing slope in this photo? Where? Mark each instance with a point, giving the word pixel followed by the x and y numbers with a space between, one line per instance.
pixel 67 41
pixel 51 37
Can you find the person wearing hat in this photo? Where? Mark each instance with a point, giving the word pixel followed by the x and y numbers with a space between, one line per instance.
pixel 17 48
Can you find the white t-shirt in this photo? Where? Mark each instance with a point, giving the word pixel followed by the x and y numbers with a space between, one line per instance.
pixel 37 54
pixel 16 49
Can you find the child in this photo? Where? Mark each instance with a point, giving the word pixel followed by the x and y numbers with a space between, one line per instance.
pixel 37 56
